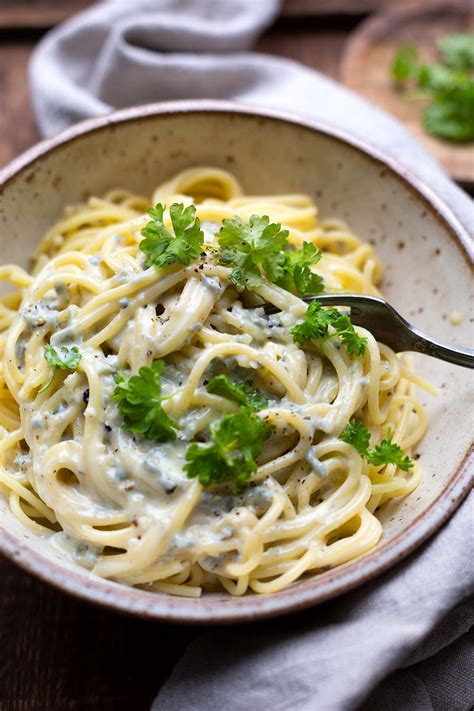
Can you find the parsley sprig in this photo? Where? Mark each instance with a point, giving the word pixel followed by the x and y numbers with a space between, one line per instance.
pixel 385 452
pixel 315 326
pixel 450 86
pixel 258 251
pixel 236 439
pixel 242 393
pixel 254 249
pixel 162 246
pixel 457 50
pixel 62 358
pixel 236 442
pixel 357 436
pixel 139 400
pixel 297 276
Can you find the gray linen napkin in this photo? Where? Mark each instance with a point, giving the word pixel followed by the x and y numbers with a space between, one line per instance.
pixel 400 642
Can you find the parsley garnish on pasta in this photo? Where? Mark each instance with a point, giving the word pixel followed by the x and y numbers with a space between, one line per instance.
pixel 139 400
pixel 236 442
pixel 385 452
pixel 61 358
pixel 315 327
pixel 240 392
pixel 357 436
pixel 259 250
pixel 297 276
pixel 162 247
pixel 253 249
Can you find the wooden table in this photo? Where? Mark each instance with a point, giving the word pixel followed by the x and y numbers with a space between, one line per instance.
pixel 57 653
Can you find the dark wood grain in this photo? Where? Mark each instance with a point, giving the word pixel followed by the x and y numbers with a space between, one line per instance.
pixel 307 43
pixel 17 125
pixel 46 13
pixel 19 14
pixel 57 653
pixel 293 8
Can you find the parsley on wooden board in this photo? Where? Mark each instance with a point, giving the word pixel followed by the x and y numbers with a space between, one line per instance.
pixel 61 358
pixel 139 400
pixel 240 392
pixel 403 65
pixel 385 452
pixel 450 86
pixel 162 246
pixel 236 442
pixel 315 326
pixel 457 50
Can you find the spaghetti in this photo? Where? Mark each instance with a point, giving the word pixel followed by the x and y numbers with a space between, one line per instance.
pixel 122 505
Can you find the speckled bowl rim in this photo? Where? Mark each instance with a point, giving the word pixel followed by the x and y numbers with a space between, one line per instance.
pixel 315 589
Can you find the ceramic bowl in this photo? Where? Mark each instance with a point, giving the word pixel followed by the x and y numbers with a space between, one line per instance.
pixel 427 276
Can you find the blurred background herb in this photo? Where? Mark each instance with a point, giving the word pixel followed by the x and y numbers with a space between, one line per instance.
pixel 448 83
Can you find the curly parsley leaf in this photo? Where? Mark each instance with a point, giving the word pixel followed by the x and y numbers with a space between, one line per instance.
pixel 254 249
pixel 61 358
pixel 355 344
pixel 357 436
pixel 457 50
pixel 385 452
pixel 64 357
pixel 257 251
pixel 242 393
pixel 162 246
pixel 297 276
pixel 139 400
pixel 236 442
pixel 315 326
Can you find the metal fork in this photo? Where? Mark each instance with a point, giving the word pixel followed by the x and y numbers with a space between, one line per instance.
pixel 386 324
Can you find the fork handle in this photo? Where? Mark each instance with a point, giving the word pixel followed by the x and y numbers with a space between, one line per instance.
pixel 444 351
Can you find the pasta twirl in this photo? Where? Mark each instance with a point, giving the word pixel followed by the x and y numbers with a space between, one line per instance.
pixel 122 505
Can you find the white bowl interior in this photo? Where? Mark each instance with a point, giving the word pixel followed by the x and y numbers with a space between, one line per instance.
pixel 427 274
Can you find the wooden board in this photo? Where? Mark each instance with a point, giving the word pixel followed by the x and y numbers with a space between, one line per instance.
pixel 337 7
pixel 368 56
pixel 20 14
pixel 60 654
